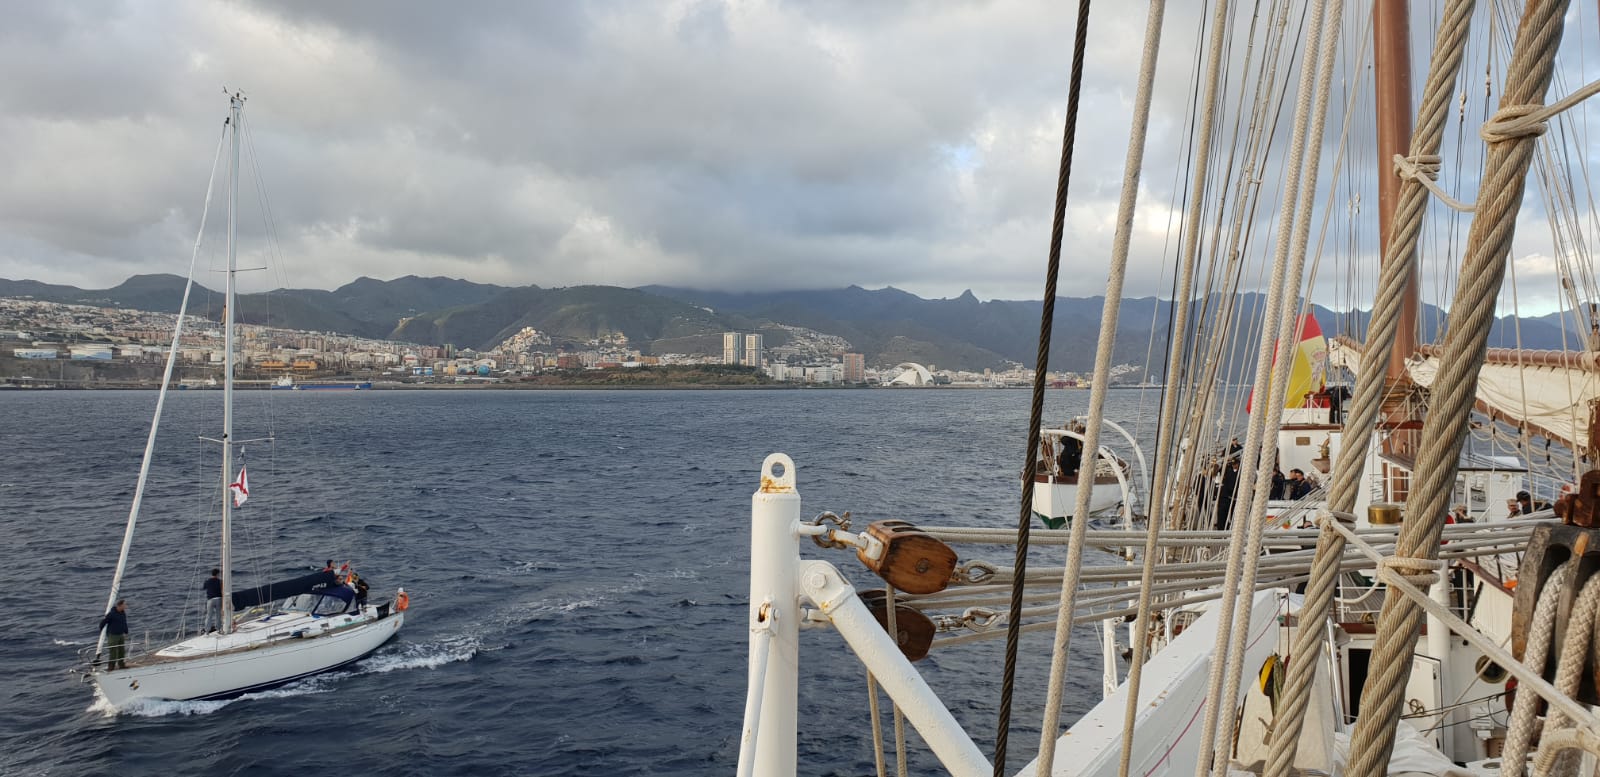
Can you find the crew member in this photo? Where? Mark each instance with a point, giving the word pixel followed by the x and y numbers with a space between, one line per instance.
pixel 116 627
pixel 213 586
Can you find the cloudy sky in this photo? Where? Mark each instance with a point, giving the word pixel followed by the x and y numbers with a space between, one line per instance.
pixel 746 144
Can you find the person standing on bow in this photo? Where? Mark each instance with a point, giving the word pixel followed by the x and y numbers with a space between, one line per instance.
pixel 213 586
pixel 115 625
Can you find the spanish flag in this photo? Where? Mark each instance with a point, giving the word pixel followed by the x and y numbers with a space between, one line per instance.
pixel 1308 368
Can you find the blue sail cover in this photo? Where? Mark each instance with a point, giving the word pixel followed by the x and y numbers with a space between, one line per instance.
pixel 284 589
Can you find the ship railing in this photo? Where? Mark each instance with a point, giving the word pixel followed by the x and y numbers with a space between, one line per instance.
pixel 138 648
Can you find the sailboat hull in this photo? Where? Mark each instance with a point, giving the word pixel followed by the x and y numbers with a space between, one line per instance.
pixel 230 673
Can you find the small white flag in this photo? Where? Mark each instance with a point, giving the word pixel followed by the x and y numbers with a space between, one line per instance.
pixel 240 488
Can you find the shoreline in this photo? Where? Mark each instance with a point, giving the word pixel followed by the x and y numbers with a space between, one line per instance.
pixel 376 386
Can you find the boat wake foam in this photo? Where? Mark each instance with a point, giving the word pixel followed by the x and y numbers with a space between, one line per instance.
pixel 427 655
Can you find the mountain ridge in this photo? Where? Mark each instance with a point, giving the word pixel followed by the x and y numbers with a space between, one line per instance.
pixel 888 325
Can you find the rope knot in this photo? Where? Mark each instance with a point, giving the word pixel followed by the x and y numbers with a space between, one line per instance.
pixel 1416 571
pixel 1418 166
pixel 1512 122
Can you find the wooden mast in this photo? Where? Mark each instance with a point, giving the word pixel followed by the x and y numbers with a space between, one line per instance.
pixel 1391 33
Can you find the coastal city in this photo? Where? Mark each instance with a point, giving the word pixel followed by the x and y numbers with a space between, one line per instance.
pixel 49 344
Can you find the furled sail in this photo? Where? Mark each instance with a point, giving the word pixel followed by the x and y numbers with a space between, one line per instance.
pixel 1548 392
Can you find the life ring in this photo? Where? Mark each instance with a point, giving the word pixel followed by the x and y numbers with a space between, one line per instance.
pixel 401 601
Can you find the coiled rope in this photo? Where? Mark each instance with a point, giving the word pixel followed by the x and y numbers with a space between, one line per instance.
pixel 1571 663
pixel 1471 314
pixel 1042 360
pixel 1541 633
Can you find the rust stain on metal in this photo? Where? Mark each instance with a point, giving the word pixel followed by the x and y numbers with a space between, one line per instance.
pixel 771 485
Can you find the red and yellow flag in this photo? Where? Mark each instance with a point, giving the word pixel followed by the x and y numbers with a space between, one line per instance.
pixel 1308 367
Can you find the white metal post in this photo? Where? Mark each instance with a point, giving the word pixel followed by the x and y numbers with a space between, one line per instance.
pixel 828 590
pixel 1439 647
pixel 774 671
pixel 1108 649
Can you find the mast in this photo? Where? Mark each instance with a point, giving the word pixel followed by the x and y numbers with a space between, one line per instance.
pixel 236 102
pixel 1391 33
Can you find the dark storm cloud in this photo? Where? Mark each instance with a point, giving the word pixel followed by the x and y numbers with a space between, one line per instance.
pixel 716 144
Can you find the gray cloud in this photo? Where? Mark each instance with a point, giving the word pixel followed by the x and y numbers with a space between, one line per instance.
pixel 729 145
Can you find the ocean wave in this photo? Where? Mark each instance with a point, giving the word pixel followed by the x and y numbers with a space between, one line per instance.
pixel 69 642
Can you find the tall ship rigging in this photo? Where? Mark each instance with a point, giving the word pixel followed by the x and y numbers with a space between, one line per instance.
pixel 1394 575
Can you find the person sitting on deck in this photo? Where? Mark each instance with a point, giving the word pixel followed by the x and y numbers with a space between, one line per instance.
pixel 1071 456
pixel 1297 486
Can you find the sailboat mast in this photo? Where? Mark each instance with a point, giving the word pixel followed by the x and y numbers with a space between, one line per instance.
pixel 1391 33
pixel 237 104
pixel 1391 68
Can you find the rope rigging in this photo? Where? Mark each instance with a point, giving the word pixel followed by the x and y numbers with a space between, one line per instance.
pixel 1471 315
pixel 1036 410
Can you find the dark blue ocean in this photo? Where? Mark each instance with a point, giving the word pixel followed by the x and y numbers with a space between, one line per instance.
pixel 576 560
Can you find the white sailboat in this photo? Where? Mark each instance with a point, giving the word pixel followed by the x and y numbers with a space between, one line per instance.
pixel 269 635
pixel 1394 621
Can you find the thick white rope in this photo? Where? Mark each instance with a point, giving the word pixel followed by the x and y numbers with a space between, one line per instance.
pixel 1471 315
pixel 1513 122
pixel 1555 744
pixel 1541 635
pixel 1288 338
pixel 1176 347
pixel 1216 732
pixel 1102 378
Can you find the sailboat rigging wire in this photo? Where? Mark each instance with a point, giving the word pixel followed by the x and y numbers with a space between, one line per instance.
pixel 1100 386
pixel 1247 533
pixel 161 398
pixel 1223 321
pixel 1041 363
pixel 1282 300
pixel 1180 314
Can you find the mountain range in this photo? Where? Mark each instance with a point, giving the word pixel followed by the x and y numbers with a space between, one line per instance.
pixel 887 325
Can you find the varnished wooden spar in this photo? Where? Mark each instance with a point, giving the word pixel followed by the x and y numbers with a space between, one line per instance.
pixel 912 560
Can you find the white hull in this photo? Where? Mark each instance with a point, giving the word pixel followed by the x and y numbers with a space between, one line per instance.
pixel 1059 500
pixel 1167 732
pixel 260 654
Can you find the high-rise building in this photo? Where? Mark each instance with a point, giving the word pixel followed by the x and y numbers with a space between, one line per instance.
pixel 732 348
pixel 855 368
pixel 753 352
